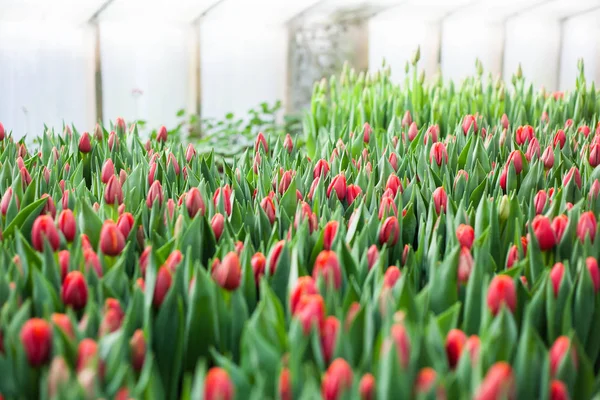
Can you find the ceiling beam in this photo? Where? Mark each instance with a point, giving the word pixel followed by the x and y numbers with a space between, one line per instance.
pixel 100 10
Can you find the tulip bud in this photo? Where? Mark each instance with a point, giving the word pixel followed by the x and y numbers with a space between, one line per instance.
pixel 218 385
pixel 218 225
pixel 542 229
pixel 372 256
pixel 321 169
pixel 560 139
pixel 594 157
pixel 338 184
pixel 438 153
pixel 400 339
pixel 468 122
pixel 556 275
pixel 91 260
pixel 390 231
pixel 6 200
pixel 285 386
pixel 44 229
pixel 144 259
pixel 226 191
pixel 391 276
pixel 558 390
pixel 558 352
pixel 64 259
pixel 465 235
pixel 572 174
pixel 594 190
pixel 592 267
pixel 425 381
pixel 137 346
pixel 433 133
pixel 367 132
pixel 162 134
pixel 305 286
pixel 328 267
pixel 586 226
pixel 548 158
pixel 472 345
pixel 523 134
pixel 36 337
pixel 113 193
pixel 74 291
pixel 353 310
pixel 501 291
pixel 87 354
pixel 63 322
pixel 190 153
pixel 258 263
pixel 310 311
pixel 366 387
pixel 440 200
pixel 559 225
pixel 85 145
pixel 329 334
pixel 329 234
pixel 172 161
pixel 269 208
pixel 504 121
pixel 261 141
pixel 393 159
pixel 387 207
pixel 394 185
pixel 539 201
pixel 412 131
pixel 163 284
pixel 533 150
pixel 112 241
pixel 337 380
pixel 352 192
pixel 227 274
pixel 465 265
pixel 2 132
pixel 499 383
pixel 455 342
pixel 194 202
pixel 58 376
pixel 67 225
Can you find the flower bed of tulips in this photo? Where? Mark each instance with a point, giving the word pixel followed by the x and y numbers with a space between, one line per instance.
pixel 419 241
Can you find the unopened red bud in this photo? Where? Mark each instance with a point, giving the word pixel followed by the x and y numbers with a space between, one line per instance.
pixel 218 385
pixel 36 337
pixel 227 274
pixel 162 134
pixel 327 266
pixel 501 292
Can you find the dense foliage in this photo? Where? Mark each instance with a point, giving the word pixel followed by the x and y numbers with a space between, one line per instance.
pixel 426 241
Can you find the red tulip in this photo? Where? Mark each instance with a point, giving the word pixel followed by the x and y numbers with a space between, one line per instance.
pixel 533 150
pixel 64 259
pixel 337 380
pixel 440 199
pixel 85 145
pixel 594 157
pixel 406 119
pixel 67 224
pixel 372 256
pixel 63 322
pixel 218 225
pixel 261 141
pixel 501 291
pixel 113 192
pixel 144 259
pixel 44 229
pixel 425 381
pixel 26 178
pixel 2 132
pixel 228 273
pixel 91 260
pixel 558 352
pixel 548 158
pixel 472 345
pixel 162 134
pixel 413 131
pixel 393 160
pixel 162 286
pixel 432 132
pixel 558 390
pixel 329 334
pixel 285 386
pixel 328 267
pixel 190 153
pixel 394 184
pixel 352 192
pixel 465 235
pixel 288 144
pixel 468 122
pixel 539 201
pixel 171 160
pixel 285 182
pixel 6 201
pixel 366 387
pixel 542 229
pixel 310 311
pixel 258 263
pixel 592 267
pixel 456 340
pixel 391 276
pixel 321 169
pixel 353 310
pixel 499 383
pixel 304 286
pixel 226 192
pixel 137 344
pixel 329 234
pixel 269 208
pixel 465 265
pixel 155 194
pixel 556 275
pixel 390 231
pixel 438 153
pixel 559 225
pixel 401 340
pixel 572 174
pixel 594 190
pixel 560 139
pixel 36 336
pixel 74 290
pixel 274 256
pixel 405 253
pixel 523 134
pixel 504 121
pixel 112 321
pixel 387 207
pixel 173 260
pixel 367 132
pixel 112 241
pixel 152 172
pixel 338 184
pixel 586 226
pixel 87 353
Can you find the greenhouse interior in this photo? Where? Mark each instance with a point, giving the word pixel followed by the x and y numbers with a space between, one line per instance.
pixel 299 199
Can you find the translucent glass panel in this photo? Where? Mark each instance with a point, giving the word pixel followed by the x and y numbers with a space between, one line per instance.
pixel 145 71
pixel 242 65
pixel 65 11
pixel 46 76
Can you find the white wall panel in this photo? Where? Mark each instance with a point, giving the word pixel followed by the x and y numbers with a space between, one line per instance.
pixel 242 65
pixel 46 76
pixel 581 40
pixel 145 71
pixel 396 35
pixel 535 43
pixel 466 38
